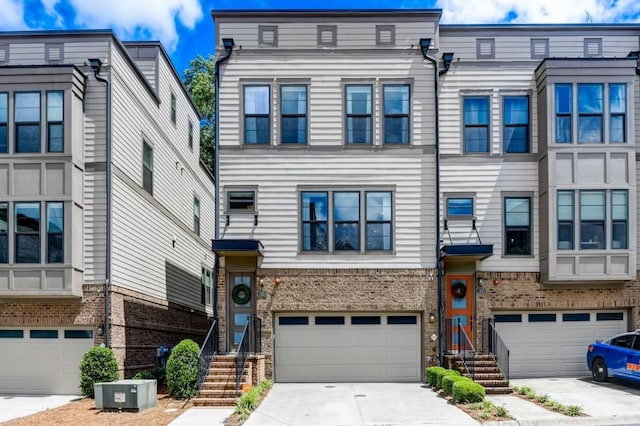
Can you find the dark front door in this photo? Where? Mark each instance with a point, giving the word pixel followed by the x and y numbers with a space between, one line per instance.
pixel 241 303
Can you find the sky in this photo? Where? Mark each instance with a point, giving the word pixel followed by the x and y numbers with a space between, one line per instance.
pixel 185 27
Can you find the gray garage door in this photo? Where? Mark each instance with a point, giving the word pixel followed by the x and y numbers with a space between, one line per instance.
pixel 42 360
pixel 347 347
pixel 554 343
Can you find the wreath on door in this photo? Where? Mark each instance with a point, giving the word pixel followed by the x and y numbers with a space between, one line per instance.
pixel 241 294
pixel 458 290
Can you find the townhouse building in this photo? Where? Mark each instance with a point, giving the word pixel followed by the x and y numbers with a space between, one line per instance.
pixel 105 209
pixel 383 178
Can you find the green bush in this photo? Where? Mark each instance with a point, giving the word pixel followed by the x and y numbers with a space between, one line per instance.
pixel 444 373
pixel 157 373
pixel 182 370
pixel 249 401
pixel 467 391
pixel 448 380
pixel 98 365
pixel 431 374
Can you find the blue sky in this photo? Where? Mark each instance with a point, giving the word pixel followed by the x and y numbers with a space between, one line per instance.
pixel 185 27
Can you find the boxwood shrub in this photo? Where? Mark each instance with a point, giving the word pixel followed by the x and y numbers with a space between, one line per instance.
pixel 182 370
pixel 440 375
pixel 98 365
pixel 157 373
pixel 448 380
pixel 467 391
pixel 431 374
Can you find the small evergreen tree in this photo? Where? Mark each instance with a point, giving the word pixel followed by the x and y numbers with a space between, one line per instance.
pixel 182 370
pixel 98 365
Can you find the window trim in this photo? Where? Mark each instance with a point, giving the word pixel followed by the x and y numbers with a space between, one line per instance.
pixel 397 115
pixel 347 115
pixel 487 97
pixel 296 115
pixel 505 227
pixel 268 115
pixel 505 126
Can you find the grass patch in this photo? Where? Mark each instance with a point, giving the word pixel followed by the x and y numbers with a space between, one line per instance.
pixel 544 401
pixel 249 401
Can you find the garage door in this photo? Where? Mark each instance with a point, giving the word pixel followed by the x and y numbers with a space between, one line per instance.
pixel 343 347
pixel 554 343
pixel 42 361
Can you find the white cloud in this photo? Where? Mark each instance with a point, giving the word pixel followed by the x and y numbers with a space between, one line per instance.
pixel 153 18
pixel 11 17
pixel 537 11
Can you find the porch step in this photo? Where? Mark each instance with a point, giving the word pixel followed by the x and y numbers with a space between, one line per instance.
pixel 219 387
pixel 220 393
pixel 503 390
pixel 214 402
pixel 229 385
pixel 487 376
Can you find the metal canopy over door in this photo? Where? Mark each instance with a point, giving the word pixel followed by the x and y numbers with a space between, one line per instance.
pixel 241 305
pixel 348 347
pixel 460 300
pixel 554 343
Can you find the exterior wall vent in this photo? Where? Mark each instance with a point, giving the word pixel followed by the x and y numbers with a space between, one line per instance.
pixel 592 47
pixel 486 48
pixel 327 35
pixel 54 53
pixel 385 35
pixel 267 36
pixel 4 54
pixel 539 48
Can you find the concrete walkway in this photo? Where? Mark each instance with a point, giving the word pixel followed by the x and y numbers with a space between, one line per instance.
pixel 16 406
pixel 196 416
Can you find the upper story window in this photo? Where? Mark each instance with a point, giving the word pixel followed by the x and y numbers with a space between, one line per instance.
pixel 590 111
pixel 4 232
pixel 564 108
pixel 196 215
pixel 515 132
pixel 592 219
pixel 617 113
pixel 55 126
pixel 348 227
pixel 27 232
pixel 241 201
pixel 173 109
pixel 190 135
pixel 619 219
pixel 257 114
pixel 55 232
pixel 4 121
pixel 147 167
pixel 207 286
pixel 27 119
pixel 359 107
pixel 476 124
pixel 396 113
pixel 459 208
pixel 517 226
pixel 293 100
pixel 566 213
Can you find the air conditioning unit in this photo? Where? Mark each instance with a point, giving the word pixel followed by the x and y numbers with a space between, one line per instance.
pixel 126 395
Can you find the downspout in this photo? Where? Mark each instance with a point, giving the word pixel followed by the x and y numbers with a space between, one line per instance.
pixel 96 65
pixel 228 47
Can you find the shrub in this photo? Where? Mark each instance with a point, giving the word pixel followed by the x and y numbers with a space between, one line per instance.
pixel 542 398
pixel 573 410
pixel 448 380
pixel 440 375
pixel 182 370
pixel 467 391
pixel 98 365
pixel 431 374
pixel 249 401
pixel 501 411
pixel 157 373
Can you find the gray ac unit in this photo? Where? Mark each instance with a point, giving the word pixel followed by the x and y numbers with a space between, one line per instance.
pixel 127 395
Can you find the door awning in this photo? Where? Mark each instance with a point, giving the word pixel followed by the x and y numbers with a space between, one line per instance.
pixel 240 248
pixel 466 251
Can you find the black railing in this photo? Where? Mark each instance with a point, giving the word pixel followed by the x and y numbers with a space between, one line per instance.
pixel 207 352
pixel 458 342
pixel 498 350
pixel 250 342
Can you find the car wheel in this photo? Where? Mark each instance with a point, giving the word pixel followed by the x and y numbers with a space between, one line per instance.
pixel 599 370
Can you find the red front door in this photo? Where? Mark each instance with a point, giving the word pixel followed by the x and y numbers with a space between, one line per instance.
pixel 460 292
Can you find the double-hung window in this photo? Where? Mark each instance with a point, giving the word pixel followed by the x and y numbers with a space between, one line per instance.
pixel 257 118
pixel 396 98
pixel 4 120
pixel 27 232
pixel 379 220
pixel 592 220
pixel 173 109
pixel 359 101
pixel 566 212
pixel 619 219
pixel 476 124
pixel 207 286
pixel 293 113
pixel 4 232
pixel 315 207
pixel 515 131
pixel 27 119
pixel 346 220
pixel 196 215
pixel 517 226
pixel 590 113
pixel 617 113
pixel 564 108
pixel 55 232
pixel 190 135
pixel 55 127
pixel 147 167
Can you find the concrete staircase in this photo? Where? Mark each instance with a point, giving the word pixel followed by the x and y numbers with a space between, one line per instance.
pixel 484 371
pixel 219 387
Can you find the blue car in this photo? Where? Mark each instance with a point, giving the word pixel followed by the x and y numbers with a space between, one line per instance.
pixel 618 356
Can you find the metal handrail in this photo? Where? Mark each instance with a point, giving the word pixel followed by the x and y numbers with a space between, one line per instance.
pixel 208 350
pixel 465 346
pixel 250 342
pixel 498 350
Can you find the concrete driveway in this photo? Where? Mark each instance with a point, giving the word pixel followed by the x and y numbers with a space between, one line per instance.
pixel 355 404
pixel 16 406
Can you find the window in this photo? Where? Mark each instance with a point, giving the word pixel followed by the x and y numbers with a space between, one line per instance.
pixel 241 201
pixel 314 221
pixel 618 113
pixel 476 124
pixel 346 220
pixel 207 286
pixel 196 215
pixel 173 108
pixel 619 219
pixel 460 207
pixel 592 220
pixel 4 119
pixel 542 317
pixel 4 232
pixel 515 133
pixel 564 106
pixel 190 135
pixel 55 113
pixel 55 232
pixel 565 220
pixel 293 321
pixel 379 213
pixel 624 341
pixel 147 168
pixel 27 119
pixel 43 334
pixel 256 114
pixel 359 113
pixel 396 113
pixel 27 232
pixel 329 320
pixel 590 110
pixel 294 113
pixel 78 334
pixel 517 226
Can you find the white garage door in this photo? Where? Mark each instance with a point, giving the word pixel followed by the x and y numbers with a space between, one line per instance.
pixel 42 361
pixel 345 347
pixel 554 343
